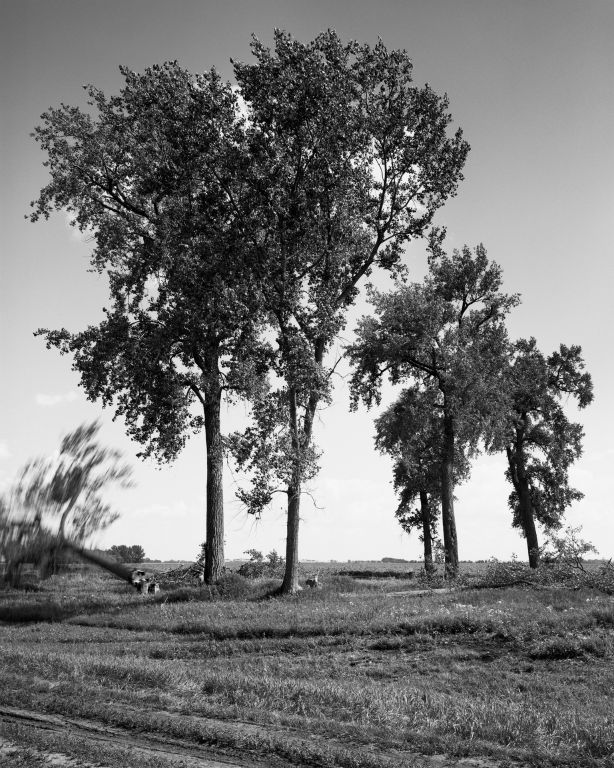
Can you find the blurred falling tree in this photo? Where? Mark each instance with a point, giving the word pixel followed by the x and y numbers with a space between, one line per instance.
pixel 64 493
pixel 60 500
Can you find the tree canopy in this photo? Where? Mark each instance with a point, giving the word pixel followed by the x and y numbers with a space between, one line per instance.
pixel 60 499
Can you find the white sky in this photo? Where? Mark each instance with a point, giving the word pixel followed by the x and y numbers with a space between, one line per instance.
pixel 532 86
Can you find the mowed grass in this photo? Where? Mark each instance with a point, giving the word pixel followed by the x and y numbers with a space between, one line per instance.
pixel 369 676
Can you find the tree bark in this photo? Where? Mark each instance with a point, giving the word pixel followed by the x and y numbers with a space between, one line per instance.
pixel 517 462
pixel 290 583
pixel 214 542
pixel 425 513
pixel 450 540
pixel 301 440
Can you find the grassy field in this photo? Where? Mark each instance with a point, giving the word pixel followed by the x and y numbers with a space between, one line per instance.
pixel 357 673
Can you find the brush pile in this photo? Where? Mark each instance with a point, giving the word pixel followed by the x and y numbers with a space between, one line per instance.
pixel 186 574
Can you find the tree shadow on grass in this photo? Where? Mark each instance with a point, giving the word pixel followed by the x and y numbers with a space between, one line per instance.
pixel 17 609
pixel 20 613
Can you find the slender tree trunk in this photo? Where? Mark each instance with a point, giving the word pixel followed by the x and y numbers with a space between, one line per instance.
pixel 214 547
pixel 528 525
pixel 425 513
pixel 450 540
pixel 290 583
pixel 301 440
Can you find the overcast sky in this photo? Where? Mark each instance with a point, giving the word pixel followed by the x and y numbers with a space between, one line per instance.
pixel 531 84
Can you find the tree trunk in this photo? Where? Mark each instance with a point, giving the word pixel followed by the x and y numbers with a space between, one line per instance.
pixel 214 543
pixel 530 531
pixel 290 583
pixel 517 463
pixel 426 531
pixel 103 561
pixel 447 498
pixel 301 440
pixel 527 518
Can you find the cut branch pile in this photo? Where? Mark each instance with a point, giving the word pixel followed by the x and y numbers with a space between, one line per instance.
pixel 194 572
pixel 571 573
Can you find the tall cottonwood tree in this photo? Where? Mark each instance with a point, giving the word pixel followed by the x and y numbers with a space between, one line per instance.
pixel 155 175
pixel 447 333
pixel 351 161
pixel 411 432
pixel 540 442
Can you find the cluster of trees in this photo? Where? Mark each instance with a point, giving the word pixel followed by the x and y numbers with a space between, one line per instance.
pixel 236 225
pixel 258 566
pixel 468 388
pixel 127 553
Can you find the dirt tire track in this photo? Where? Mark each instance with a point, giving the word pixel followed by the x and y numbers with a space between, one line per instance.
pixel 169 748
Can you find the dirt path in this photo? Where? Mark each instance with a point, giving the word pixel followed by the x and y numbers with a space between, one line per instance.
pixel 168 748
pixel 190 755
pixel 11 751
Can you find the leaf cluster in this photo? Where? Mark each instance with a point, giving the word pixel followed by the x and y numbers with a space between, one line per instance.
pixel 268 454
